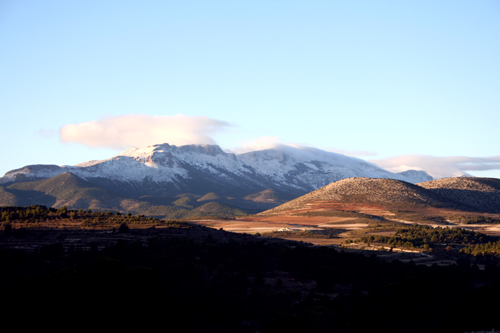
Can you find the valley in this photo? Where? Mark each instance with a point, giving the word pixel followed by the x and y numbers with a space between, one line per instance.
pixel 338 214
pixel 352 214
pixel 329 224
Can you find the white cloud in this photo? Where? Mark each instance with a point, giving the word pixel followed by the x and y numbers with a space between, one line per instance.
pixel 353 153
pixel 268 142
pixel 261 143
pixel 121 132
pixel 439 167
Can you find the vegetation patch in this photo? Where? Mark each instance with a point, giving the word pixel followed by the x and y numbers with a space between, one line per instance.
pixel 483 249
pixel 474 219
pixel 269 195
pixel 323 234
pixel 184 202
pixel 426 237
pixel 37 216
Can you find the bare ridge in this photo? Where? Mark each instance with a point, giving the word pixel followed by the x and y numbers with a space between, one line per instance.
pixel 371 190
pixel 483 194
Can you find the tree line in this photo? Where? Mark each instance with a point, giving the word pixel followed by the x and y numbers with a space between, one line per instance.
pixel 36 215
pixel 425 237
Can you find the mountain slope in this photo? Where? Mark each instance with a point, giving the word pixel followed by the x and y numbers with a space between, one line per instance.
pixel 141 178
pixel 388 192
pixel 269 195
pixel 310 168
pixel 482 194
pixel 7 198
pixel 218 209
pixel 69 190
pixel 416 176
pixel 76 193
pixel 208 197
pixel 168 170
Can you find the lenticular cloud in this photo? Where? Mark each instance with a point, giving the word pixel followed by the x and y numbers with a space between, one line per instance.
pixel 439 167
pixel 141 130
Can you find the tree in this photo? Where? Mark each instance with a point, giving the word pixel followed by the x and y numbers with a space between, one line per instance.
pixel 123 228
pixel 63 211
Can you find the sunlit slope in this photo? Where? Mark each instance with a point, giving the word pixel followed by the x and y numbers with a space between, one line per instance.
pixel 269 195
pixel 7 198
pixel 388 192
pixel 483 194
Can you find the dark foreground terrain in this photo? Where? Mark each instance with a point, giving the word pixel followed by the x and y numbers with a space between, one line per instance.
pixel 179 277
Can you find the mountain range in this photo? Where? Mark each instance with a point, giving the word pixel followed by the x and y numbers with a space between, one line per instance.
pixel 164 179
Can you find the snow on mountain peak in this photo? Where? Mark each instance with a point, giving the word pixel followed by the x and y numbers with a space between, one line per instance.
pixel 300 168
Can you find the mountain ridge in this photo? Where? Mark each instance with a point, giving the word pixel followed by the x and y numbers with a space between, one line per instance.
pixel 285 167
pixel 461 193
pixel 140 179
pixel 480 193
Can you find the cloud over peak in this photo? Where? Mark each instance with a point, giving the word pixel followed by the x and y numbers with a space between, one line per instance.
pixel 121 132
pixel 439 167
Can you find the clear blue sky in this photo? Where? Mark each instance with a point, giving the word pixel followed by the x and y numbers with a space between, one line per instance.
pixel 375 79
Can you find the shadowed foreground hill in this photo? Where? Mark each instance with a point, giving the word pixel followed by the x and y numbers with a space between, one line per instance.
pixel 180 277
pixel 387 192
pixel 482 194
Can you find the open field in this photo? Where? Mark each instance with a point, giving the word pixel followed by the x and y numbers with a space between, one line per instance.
pixel 373 217
pixel 323 214
pixel 324 223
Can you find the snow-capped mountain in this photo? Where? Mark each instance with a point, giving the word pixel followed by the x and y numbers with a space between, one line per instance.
pixel 167 169
pixel 308 167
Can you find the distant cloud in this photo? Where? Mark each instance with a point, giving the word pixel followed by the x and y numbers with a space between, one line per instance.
pixel 121 132
pixel 264 142
pixel 439 167
pixel 268 142
pixel 352 152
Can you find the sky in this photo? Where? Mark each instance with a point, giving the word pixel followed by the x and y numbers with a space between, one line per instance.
pixel 402 84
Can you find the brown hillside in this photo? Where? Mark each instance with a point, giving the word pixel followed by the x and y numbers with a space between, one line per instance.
pixel 7 198
pixel 209 196
pixel 387 192
pixel 482 194
pixel 268 195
